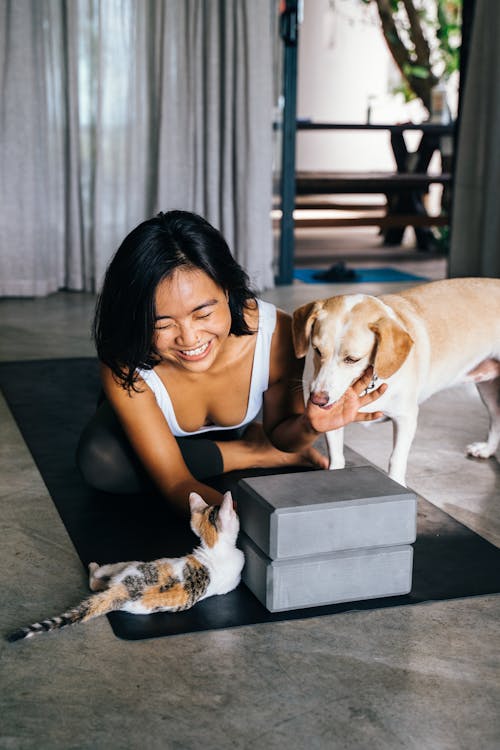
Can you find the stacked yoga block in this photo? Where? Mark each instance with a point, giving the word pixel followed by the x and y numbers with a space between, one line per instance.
pixel 321 537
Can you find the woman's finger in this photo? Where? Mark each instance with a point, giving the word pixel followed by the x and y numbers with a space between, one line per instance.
pixel 373 395
pixel 364 381
pixel 317 459
pixel 368 416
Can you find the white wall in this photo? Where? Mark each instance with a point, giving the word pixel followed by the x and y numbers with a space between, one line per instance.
pixel 343 60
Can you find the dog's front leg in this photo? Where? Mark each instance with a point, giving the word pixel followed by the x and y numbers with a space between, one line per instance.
pixel 404 428
pixel 335 444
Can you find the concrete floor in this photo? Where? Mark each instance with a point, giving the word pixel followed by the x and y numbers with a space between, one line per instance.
pixel 424 677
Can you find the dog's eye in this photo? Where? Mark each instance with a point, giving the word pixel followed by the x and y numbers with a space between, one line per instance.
pixel 316 351
pixel 350 360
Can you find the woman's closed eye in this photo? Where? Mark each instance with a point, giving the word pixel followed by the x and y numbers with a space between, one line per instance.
pixel 165 325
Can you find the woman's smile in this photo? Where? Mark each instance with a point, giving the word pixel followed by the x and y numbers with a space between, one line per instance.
pixel 194 355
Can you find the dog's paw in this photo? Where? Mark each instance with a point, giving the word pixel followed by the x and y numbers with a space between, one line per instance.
pixel 479 450
pixel 337 463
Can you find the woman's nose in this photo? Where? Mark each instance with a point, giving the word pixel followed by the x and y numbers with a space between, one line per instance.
pixel 187 336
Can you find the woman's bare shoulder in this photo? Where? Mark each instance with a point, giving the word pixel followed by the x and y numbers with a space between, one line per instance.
pixel 115 391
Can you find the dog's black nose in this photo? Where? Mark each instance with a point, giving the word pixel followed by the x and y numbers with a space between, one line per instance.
pixel 320 398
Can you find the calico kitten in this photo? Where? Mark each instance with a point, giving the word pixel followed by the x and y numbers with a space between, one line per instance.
pixel 165 585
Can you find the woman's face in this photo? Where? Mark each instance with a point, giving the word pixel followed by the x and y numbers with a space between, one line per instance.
pixel 193 319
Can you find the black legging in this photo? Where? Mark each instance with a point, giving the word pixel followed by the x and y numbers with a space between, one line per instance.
pixel 107 460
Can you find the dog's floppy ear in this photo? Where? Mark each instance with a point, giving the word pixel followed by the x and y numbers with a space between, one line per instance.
pixel 393 346
pixel 302 323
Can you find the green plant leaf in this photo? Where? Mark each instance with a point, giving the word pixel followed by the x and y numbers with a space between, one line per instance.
pixel 417 71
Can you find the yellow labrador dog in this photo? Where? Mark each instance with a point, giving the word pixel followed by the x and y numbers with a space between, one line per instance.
pixel 420 341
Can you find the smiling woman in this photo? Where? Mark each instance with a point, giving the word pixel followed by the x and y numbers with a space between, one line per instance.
pixel 189 358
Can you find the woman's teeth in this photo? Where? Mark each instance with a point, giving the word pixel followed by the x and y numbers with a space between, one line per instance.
pixel 195 352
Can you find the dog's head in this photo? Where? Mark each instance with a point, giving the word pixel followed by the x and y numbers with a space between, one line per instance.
pixel 347 334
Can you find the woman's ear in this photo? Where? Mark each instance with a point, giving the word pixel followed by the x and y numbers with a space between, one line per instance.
pixel 393 346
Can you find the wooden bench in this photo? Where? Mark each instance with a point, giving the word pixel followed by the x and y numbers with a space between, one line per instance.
pixel 326 183
pixel 366 219
pixel 403 206
pixel 404 188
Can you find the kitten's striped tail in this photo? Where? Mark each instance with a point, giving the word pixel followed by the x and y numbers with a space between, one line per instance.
pixel 96 605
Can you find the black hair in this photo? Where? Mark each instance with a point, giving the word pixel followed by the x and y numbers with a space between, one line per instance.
pixel 124 320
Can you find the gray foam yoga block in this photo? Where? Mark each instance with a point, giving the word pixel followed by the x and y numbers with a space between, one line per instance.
pixel 314 512
pixel 351 575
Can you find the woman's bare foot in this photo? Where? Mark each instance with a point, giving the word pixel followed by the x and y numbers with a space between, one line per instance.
pixel 255 450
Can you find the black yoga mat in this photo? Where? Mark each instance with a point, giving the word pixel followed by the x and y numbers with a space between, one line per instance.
pixel 51 402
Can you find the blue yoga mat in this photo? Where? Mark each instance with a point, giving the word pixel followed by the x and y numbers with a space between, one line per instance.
pixel 361 275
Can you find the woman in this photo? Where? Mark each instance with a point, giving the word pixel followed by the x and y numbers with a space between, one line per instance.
pixel 189 357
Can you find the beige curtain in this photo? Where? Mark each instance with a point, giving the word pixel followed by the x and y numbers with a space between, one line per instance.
pixel 32 177
pixel 112 110
pixel 475 241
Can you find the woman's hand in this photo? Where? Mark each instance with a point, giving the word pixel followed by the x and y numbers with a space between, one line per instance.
pixel 346 409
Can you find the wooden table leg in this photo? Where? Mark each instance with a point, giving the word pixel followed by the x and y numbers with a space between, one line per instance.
pixel 410 201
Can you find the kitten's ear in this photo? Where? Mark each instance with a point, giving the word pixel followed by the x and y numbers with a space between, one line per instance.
pixel 226 509
pixel 196 502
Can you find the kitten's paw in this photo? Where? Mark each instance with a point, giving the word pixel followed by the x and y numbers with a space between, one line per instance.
pixel 480 450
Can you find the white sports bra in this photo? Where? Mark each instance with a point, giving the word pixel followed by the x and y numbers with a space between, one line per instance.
pixel 258 384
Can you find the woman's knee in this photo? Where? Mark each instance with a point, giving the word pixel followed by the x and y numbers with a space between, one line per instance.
pixel 106 460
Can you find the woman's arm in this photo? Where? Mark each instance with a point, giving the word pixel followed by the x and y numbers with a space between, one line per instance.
pixel 290 424
pixel 154 443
